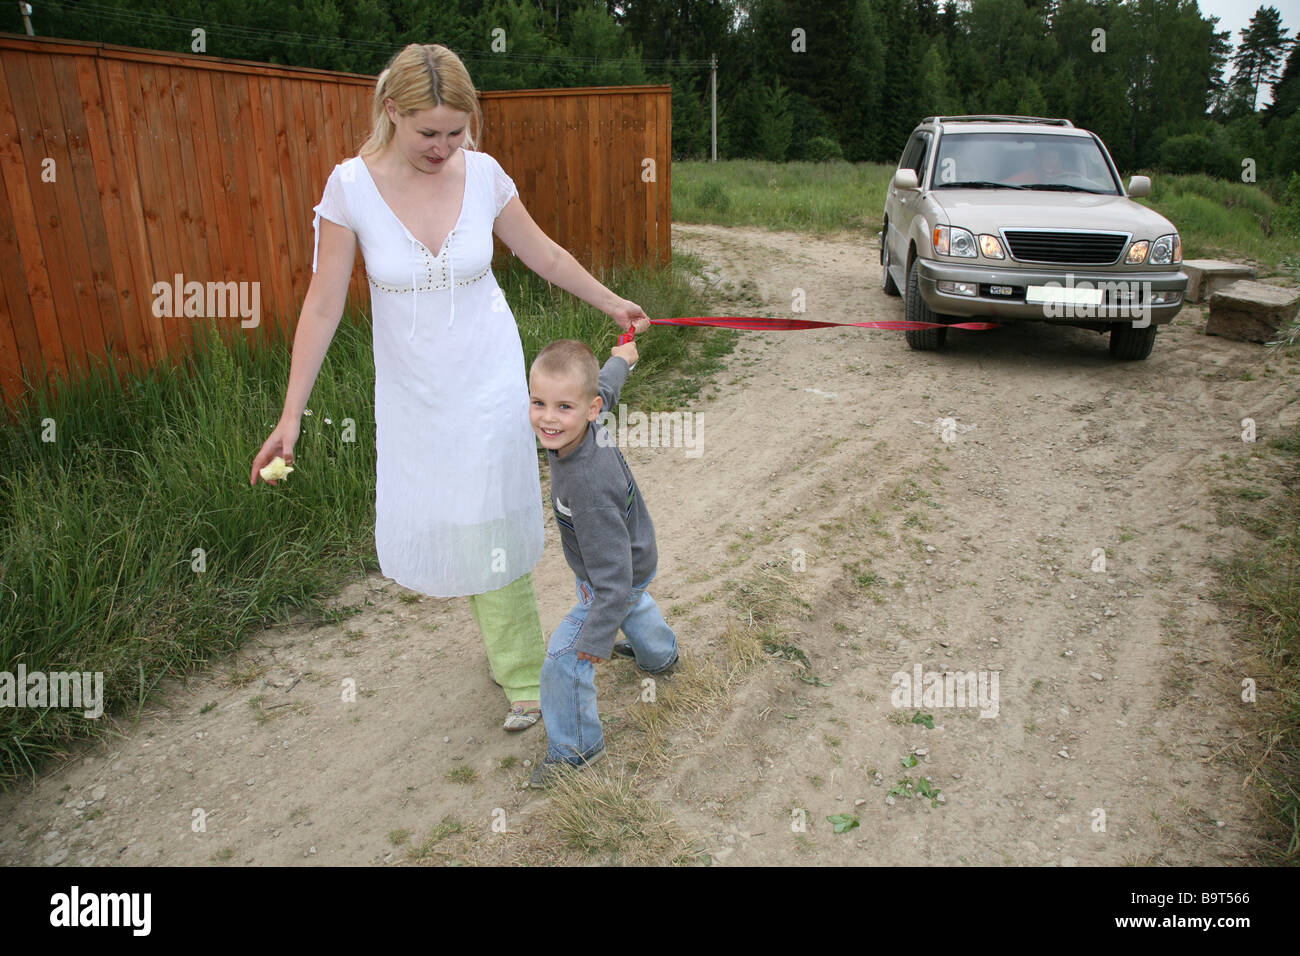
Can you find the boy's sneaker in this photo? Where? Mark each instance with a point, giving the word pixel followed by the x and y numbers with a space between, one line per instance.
pixel 668 669
pixel 624 649
pixel 548 771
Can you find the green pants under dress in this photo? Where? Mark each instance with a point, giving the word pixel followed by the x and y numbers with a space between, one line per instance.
pixel 512 632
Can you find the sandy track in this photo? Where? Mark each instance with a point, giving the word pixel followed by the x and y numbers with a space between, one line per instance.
pixel 824 442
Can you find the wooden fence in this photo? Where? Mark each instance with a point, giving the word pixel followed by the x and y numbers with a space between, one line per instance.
pixel 120 168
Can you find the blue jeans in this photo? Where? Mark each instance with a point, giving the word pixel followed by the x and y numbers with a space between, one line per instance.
pixel 569 684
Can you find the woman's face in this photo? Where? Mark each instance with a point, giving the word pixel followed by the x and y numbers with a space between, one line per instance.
pixel 427 139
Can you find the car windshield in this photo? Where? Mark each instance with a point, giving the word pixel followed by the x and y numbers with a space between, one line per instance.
pixel 1007 160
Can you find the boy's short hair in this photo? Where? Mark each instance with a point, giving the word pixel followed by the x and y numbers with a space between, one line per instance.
pixel 573 359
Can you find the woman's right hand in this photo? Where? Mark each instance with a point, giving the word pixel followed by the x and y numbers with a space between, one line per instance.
pixel 280 443
pixel 630 316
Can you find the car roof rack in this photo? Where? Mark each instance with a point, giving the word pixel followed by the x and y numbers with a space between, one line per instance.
pixel 999 118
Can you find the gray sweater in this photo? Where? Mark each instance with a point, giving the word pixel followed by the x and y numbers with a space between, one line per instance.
pixel 604 525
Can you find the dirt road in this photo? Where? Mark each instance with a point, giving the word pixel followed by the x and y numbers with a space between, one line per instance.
pixel 1114 731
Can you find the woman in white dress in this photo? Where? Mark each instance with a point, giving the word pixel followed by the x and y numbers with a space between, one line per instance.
pixel 458 506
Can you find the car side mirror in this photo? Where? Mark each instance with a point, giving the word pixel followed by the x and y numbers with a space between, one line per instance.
pixel 1139 186
pixel 906 179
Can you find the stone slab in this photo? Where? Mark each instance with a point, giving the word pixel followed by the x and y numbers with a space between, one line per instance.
pixel 1205 276
pixel 1252 311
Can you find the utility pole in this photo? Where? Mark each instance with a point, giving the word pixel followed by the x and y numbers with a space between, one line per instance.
pixel 26 10
pixel 713 86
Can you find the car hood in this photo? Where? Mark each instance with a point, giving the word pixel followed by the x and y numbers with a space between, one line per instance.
pixel 987 210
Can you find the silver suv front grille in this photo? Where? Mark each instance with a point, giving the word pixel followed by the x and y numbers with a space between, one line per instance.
pixel 1079 248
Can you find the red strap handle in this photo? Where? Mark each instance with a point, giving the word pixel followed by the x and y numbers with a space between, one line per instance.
pixel 759 324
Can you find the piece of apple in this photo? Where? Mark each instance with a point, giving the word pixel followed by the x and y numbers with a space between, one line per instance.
pixel 276 470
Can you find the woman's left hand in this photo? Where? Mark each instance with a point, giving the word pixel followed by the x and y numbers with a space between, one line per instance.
pixel 629 314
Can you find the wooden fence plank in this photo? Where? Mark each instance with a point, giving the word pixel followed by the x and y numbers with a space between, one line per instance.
pixel 301 138
pixel 163 194
pixel 78 326
pixel 631 196
pixel 101 322
pixel 32 98
pixel 34 329
pixel 196 263
pixel 601 146
pixel 223 213
pixel 266 206
pixel 136 251
pixel 230 103
pixel 117 302
pixel 13 300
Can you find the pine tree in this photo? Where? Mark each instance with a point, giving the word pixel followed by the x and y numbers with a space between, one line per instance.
pixel 860 117
pixel 1286 92
pixel 1263 45
pixel 936 89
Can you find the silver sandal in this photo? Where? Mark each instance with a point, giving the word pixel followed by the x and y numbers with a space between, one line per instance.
pixel 521 719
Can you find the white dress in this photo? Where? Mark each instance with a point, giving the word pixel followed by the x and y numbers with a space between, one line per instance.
pixel 458 499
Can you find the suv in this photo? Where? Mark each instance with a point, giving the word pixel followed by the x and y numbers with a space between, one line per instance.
pixel 1025 218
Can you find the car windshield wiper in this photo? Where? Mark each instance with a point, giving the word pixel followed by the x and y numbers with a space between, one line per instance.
pixel 978 184
pixel 1066 187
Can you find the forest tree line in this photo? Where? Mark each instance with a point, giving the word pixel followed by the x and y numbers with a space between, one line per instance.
pixel 1158 80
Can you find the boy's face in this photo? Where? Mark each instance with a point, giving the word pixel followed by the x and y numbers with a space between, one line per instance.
pixel 559 412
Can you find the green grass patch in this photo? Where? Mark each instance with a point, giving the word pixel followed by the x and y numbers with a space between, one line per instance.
pixel 806 197
pixel 1261 585
pixel 1220 219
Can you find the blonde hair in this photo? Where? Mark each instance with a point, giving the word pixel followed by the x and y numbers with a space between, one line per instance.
pixel 419 77
pixel 571 359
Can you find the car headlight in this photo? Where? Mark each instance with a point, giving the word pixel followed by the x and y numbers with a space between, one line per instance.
pixel 1137 253
pixel 954 241
pixel 991 247
pixel 1166 250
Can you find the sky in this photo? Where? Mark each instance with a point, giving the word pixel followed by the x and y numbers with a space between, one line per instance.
pixel 1235 15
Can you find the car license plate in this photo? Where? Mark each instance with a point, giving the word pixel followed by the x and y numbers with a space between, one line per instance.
pixel 1073 295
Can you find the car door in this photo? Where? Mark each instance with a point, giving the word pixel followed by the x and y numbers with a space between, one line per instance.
pixel 900 205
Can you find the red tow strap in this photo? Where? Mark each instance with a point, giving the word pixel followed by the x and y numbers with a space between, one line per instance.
pixel 758 324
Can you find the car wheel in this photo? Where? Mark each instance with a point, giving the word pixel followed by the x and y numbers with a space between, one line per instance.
pixel 925 340
pixel 887 281
pixel 1129 343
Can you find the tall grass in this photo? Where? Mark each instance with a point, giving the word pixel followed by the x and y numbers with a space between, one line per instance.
pixel 804 197
pixel 1261 584
pixel 1221 219
pixel 132 544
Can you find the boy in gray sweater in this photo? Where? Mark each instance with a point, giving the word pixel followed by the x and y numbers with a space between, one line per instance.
pixel 608 541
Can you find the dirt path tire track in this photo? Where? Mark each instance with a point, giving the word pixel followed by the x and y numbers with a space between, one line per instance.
pixel 821 441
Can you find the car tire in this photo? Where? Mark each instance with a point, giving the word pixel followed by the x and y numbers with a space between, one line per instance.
pixel 924 340
pixel 1131 344
pixel 887 281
